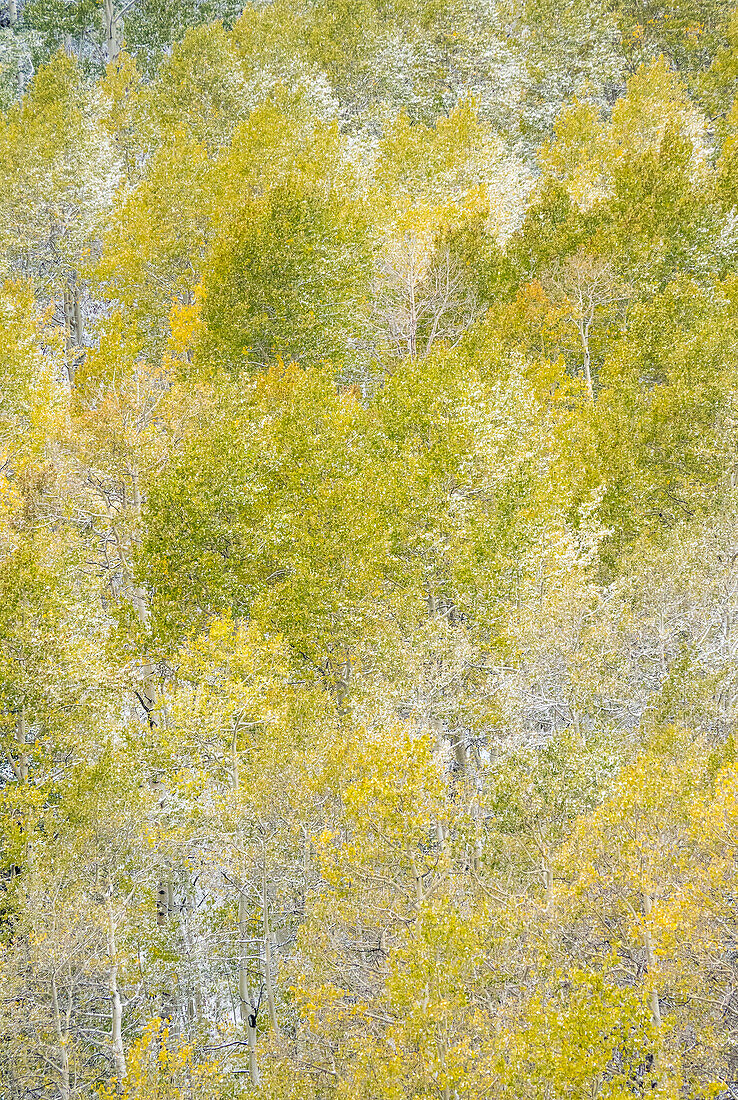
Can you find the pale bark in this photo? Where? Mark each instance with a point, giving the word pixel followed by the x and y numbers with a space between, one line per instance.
pixel 68 319
pixel 342 684
pixel 419 891
pixel 442 1050
pixel 235 773
pixel 111 20
pixel 73 320
pixel 21 738
pixel 163 893
pixel 73 326
pixel 69 332
pixel 583 326
pixel 148 697
pixel 195 1001
pixel 432 603
pixel 461 754
pixel 116 1005
pixel 413 310
pixel 64 1081
pixel 587 284
pixel 247 1001
pixel 425 297
pixel 61 1027
pixel 170 1012
pixel 547 874
pixel 136 501
pixel 138 595
pixel 548 884
pixel 576 722
pixel 162 903
pixel 268 953
pixel 653 997
pixel 79 325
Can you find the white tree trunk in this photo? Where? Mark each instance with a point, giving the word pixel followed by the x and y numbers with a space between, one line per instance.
pixel 247 1001
pixel 111 27
pixel 79 322
pixel 548 883
pixel 62 1035
pixel 583 327
pixel 653 997
pixel 21 738
pixel 268 953
pixel 119 1058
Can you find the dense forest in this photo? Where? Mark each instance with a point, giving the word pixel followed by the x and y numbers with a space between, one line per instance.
pixel 368 550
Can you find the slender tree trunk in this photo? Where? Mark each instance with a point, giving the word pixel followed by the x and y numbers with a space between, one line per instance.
pixel 21 738
pixel 653 997
pixel 112 40
pixel 194 1005
pixel 343 681
pixel 663 661
pixel 235 773
pixel 162 903
pixel 413 328
pixel 12 12
pixel 62 1035
pixel 73 319
pixel 136 501
pixel 442 1050
pixel 587 365
pixel 73 325
pixel 116 1031
pixel 576 722
pixel 68 320
pixel 419 891
pixel 79 323
pixel 65 1087
pixel 268 952
pixel 306 869
pixel 69 328
pixel 246 997
pixel 548 884
pixel 461 754
pixel 138 595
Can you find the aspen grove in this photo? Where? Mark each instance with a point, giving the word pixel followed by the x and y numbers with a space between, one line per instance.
pixel 368 550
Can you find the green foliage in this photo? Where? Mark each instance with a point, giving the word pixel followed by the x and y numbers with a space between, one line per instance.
pixel 288 282
pixel 368 571
pixel 56 20
pixel 150 27
pixel 57 173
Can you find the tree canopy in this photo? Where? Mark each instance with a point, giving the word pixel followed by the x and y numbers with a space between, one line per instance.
pixel 368 550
